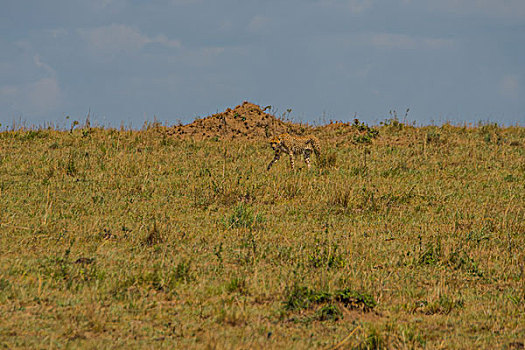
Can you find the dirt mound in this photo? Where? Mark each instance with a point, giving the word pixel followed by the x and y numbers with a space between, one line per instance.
pixel 339 132
pixel 246 121
pixel 251 122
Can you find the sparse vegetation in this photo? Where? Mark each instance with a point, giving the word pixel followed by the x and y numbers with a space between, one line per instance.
pixel 327 160
pixel 138 238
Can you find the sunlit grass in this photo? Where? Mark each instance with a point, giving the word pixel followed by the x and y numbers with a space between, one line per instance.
pixel 119 237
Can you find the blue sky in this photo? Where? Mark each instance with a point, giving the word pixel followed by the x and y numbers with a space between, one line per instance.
pixel 127 61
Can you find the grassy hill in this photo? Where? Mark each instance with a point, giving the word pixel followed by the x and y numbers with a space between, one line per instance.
pixel 410 238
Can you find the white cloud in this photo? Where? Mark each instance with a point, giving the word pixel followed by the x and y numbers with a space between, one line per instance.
pixel 43 95
pixel 36 97
pixel 45 66
pixel 118 38
pixel 164 40
pixel 39 97
pixel 509 86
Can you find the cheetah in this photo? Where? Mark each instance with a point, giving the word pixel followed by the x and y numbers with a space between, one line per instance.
pixel 294 145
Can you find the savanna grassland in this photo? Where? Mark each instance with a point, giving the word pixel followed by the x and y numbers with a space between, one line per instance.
pixel 412 238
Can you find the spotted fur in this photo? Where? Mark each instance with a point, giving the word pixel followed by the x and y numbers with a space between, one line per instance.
pixel 294 145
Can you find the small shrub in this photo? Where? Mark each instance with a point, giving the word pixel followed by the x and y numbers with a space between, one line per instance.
pixel 361 126
pixel 244 217
pixel 303 297
pixel 328 312
pixel 355 300
pixel 443 306
pixel 236 284
pixel 325 255
pixel 431 256
pixel 327 160
pixel 393 124
pixel 490 133
pixel 366 133
pixel 510 178
pixel 182 272
pixel 434 137
pixel 33 134
pixel 298 298
pixel 366 139
pixel 459 260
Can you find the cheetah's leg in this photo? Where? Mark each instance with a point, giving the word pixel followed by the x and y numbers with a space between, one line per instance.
pixel 292 163
pixel 275 158
pixel 307 158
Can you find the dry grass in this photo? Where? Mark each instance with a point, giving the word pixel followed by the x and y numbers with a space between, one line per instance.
pixel 129 238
